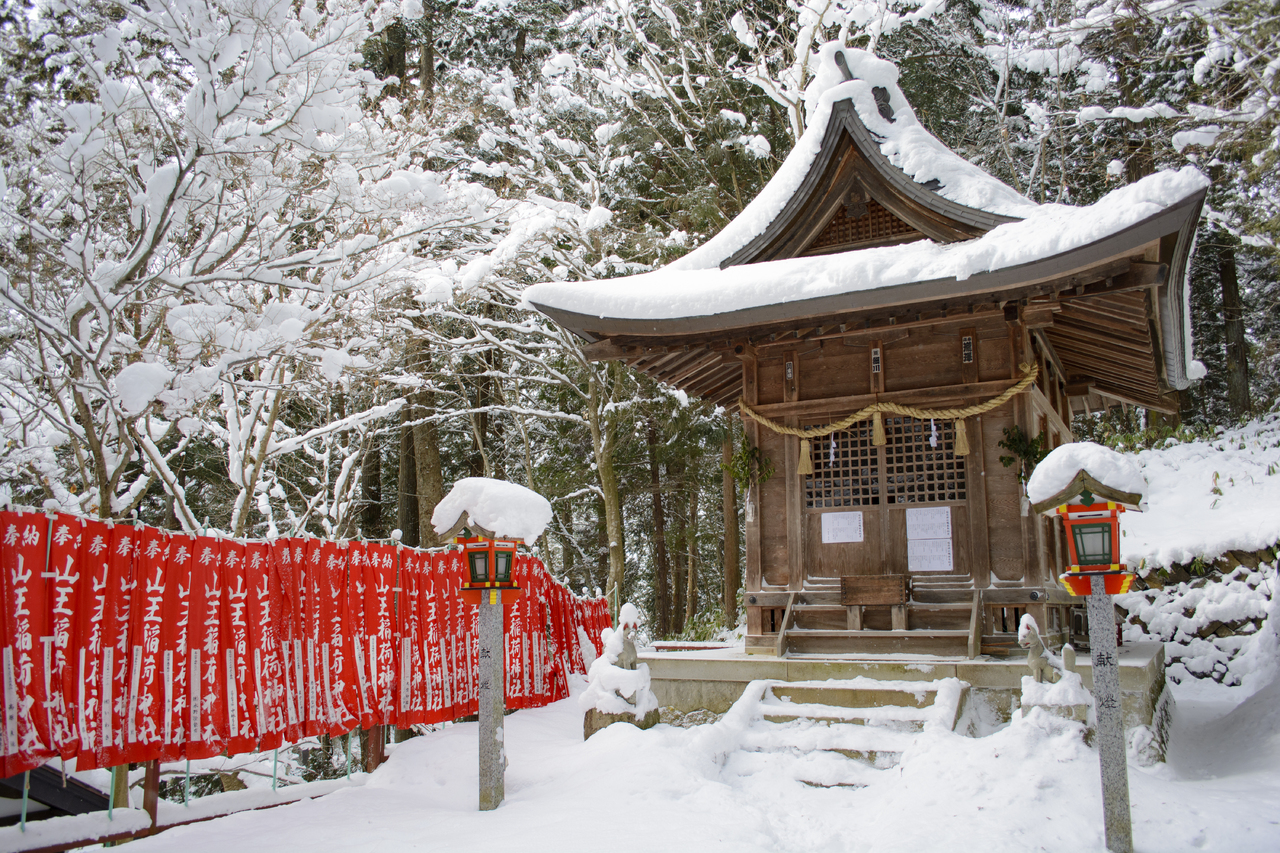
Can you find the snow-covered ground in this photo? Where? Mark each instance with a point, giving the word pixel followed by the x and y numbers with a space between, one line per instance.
pixel 1208 497
pixel 1032 786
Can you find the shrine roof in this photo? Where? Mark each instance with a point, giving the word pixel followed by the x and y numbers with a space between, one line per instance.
pixel 1051 237
pixel 872 215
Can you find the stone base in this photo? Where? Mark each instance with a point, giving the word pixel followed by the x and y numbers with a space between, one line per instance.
pixel 595 720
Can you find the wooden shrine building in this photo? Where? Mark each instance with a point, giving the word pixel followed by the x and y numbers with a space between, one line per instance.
pixel 879 273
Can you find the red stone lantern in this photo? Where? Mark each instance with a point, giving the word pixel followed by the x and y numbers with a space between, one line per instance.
pixel 1090 512
pixel 489 566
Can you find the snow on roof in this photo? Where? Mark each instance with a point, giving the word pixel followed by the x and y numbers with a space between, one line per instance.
pixel 1056 471
pixel 507 510
pixel 698 287
pixel 904 141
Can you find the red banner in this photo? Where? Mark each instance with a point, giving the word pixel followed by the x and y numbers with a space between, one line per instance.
pixel 265 609
pixel 65 572
pixel 379 606
pixel 175 648
pixel 207 706
pixel 120 645
pixel 26 724
pixel 146 683
pixel 435 637
pixel 357 630
pixel 239 695
pixel 340 662
pixel 286 556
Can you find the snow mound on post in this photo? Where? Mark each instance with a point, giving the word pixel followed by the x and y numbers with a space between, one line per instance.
pixel 507 510
pixel 1055 472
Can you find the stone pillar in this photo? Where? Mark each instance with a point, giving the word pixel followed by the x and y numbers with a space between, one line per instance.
pixel 493 756
pixel 1106 700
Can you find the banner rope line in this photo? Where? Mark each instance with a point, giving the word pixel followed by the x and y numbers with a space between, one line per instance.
pixel 875 410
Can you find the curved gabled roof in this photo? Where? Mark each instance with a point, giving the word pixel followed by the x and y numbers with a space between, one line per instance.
pixel 1054 241
pixel 862 135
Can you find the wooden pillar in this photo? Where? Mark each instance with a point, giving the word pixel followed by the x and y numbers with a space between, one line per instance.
pixel 375 752
pixel 750 393
pixel 732 572
pixel 976 481
pixel 151 792
pixel 795 488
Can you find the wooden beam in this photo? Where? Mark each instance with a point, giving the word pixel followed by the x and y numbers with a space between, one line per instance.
pixel 604 350
pixel 845 405
pixel 1110 343
pixel 1101 322
pixel 1140 275
pixel 1155 403
pixel 1084 360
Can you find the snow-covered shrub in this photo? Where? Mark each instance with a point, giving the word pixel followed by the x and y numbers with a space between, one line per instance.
pixel 1215 626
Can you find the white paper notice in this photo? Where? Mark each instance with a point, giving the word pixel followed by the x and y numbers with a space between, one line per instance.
pixel 929 555
pixel 842 527
pixel 929 523
pixel 929 539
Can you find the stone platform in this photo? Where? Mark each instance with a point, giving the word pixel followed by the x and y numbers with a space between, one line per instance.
pixel 713 679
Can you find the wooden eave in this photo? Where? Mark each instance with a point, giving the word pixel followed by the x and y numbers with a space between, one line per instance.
pixel 1097 308
pixel 1113 262
pixel 850 167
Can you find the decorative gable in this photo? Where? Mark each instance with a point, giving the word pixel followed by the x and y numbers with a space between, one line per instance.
pixel 861 223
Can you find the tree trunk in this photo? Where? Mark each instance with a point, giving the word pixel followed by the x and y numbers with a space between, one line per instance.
pixel 371 491
pixel 407 504
pixel 691 574
pixel 662 604
pixel 430 477
pixel 732 572
pixel 600 574
pixel 603 439
pixel 397 64
pixel 1233 325
pixel 676 480
pixel 427 68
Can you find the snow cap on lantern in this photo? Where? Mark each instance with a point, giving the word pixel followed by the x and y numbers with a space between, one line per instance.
pixel 1088 486
pixel 493 508
pixel 500 513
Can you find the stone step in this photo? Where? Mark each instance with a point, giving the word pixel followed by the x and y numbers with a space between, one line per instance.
pixel 903 706
pixel 817 693
pixel 893 717
pixel 873 745
pixel 928 616
pixel 925 641
pixel 817 768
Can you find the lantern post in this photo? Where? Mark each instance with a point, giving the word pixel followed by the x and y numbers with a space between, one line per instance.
pixel 498 515
pixel 488 583
pixel 1090 512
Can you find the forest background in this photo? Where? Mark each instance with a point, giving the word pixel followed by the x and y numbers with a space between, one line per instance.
pixel 261 261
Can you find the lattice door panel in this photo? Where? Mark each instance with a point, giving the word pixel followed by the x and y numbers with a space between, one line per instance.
pixel 917 471
pixel 846 470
